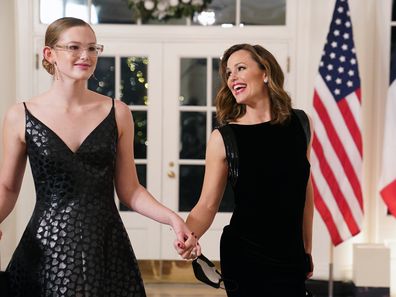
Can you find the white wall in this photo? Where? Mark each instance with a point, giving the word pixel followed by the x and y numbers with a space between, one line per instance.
pixel 7 97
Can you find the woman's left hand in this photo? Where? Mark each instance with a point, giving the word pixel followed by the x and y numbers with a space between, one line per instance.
pixel 186 244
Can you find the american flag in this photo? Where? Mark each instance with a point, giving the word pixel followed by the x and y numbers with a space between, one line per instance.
pixel 337 143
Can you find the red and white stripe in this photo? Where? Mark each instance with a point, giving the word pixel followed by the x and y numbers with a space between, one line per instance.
pixel 336 160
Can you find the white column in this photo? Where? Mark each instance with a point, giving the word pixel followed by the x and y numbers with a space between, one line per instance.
pixel 7 87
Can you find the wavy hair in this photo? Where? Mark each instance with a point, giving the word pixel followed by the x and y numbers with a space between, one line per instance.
pixel 228 110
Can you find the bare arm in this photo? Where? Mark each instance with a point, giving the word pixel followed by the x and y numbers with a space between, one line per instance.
pixel 128 188
pixel 13 159
pixel 215 180
pixel 309 208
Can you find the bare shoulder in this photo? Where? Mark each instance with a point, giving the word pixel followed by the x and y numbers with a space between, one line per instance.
pixel 123 117
pixel 216 138
pixel 122 110
pixel 216 145
pixel 14 120
pixel 15 114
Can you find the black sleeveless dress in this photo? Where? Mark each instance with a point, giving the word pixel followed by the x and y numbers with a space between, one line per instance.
pixel 75 243
pixel 262 250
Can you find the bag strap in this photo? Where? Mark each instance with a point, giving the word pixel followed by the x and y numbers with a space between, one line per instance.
pixel 304 121
pixel 232 153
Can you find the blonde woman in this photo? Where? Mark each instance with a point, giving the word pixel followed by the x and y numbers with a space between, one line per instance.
pixel 80 146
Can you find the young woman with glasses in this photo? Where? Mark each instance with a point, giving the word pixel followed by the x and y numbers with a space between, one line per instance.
pixel 262 148
pixel 80 146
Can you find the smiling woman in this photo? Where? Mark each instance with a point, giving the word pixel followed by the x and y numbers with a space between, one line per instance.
pixel 251 149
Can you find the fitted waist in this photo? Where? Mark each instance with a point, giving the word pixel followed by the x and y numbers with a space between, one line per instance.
pixel 64 199
pixel 270 251
pixel 263 228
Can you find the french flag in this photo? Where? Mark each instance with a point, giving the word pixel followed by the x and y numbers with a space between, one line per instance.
pixel 388 173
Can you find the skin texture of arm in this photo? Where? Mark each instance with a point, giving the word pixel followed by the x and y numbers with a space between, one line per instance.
pixel 13 159
pixel 128 188
pixel 215 180
pixel 308 209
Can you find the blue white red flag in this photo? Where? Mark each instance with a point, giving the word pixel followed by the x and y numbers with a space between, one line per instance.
pixel 388 173
pixel 337 153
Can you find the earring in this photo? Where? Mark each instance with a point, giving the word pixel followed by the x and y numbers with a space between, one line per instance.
pixel 266 80
pixel 56 73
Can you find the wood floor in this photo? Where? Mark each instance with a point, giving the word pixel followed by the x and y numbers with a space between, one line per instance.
pixel 182 290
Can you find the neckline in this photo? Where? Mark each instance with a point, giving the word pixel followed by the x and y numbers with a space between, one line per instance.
pixel 75 152
pixel 250 125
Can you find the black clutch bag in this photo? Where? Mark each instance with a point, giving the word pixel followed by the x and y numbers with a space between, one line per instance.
pixel 206 272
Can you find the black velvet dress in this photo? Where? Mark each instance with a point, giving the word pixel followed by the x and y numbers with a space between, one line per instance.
pixel 75 243
pixel 262 249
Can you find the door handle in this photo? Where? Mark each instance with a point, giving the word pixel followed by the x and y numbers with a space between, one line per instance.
pixel 171 174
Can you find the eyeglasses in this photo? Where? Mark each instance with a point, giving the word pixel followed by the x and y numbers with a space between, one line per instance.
pixel 75 50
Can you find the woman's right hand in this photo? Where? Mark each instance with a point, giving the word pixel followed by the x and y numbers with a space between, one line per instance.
pixel 186 242
pixel 189 249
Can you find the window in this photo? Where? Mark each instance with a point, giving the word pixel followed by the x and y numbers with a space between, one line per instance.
pixel 218 13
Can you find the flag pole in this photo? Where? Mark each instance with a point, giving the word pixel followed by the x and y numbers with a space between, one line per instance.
pixel 331 269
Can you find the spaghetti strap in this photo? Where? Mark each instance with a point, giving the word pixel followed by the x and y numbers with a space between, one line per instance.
pixel 112 99
pixel 24 104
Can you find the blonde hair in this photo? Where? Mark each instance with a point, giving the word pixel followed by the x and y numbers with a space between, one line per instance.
pixel 54 30
pixel 228 110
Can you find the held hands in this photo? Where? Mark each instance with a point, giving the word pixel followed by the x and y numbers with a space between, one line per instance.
pixel 186 244
pixel 189 249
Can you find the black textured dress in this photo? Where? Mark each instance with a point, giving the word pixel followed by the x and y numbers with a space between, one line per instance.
pixel 262 249
pixel 75 243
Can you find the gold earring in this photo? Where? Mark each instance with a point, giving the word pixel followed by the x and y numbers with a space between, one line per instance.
pixel 56 73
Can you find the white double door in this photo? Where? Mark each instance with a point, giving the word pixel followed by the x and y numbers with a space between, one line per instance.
pixel 177 113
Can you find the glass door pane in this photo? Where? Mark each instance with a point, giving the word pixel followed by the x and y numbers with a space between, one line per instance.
pixel 272 12
pixel 50 10
pixel 219 12
pixel 111 12
pixel 103 80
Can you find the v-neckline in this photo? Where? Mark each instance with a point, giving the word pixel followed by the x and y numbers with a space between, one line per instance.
pixel 60 138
